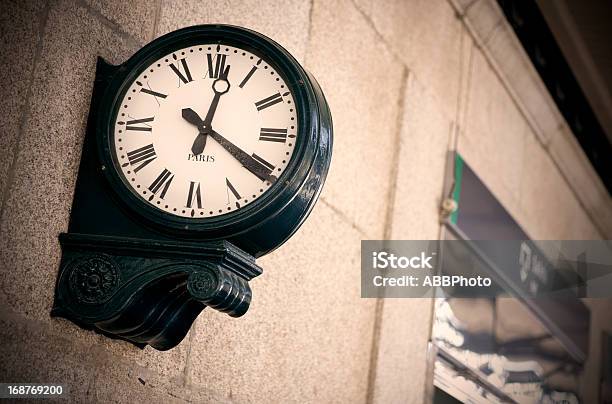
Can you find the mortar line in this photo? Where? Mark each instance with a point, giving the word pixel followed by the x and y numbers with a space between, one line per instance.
pixel 158 11
pixel 25 113
pixel 187 368
pixel 113 26
pixel 378 312
pixel 396 156
pixel 499 23
pixel 430 362
pixel 395 54
pixel 343 216
pixel 459 100
pixel 463 98
pixel 469 5
pixel 309 33
pixel 465 77
pixel 387 234
pixel 379 36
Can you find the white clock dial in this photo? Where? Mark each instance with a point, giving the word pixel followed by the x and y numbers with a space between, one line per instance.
pixel 205 130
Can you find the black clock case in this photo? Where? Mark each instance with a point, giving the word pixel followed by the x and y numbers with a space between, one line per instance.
pixel 131 271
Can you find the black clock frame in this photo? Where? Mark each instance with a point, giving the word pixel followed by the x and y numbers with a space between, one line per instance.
pixel 132 271
pixel 313 119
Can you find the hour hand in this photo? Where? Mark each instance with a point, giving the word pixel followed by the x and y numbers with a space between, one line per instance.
pixel 193 118
pixel 200 141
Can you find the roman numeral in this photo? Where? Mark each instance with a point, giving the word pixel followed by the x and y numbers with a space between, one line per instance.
pixel 248 76
pixel 151 92
pixel 263 162
pixel 219 69
pixel 130 125
pixel 273 135
pixel 141 156
pixel 185 78
pixel 194 193
pixel 163 180
pixel 231 188
pixel 268 102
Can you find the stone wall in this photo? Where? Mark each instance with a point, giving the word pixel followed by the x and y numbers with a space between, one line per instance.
pixel 406 82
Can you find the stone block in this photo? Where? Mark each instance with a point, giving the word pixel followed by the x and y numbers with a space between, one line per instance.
pixel 361 80
pixel 429 46
pixel 34 352
pixel 122 382
pixel 575 167
pixel 307 336
pixel 169 364
pixel 286 22
pixel 496 130
pixel 483 17
pixel 20 31
pixel 468 49
pixel 424 144
pixel 401 367
pixel 31 354
pixel 545 197
pixel 405 324
pixel 136 18
pixel 38 205
pixel 524 81
pixel 582 226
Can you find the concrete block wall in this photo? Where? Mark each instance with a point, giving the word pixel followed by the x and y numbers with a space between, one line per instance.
pixel 406 82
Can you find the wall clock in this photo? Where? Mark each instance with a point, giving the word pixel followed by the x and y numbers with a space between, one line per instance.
pixel 205 150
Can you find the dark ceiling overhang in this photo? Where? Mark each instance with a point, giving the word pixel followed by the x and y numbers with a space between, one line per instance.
pixel 568 43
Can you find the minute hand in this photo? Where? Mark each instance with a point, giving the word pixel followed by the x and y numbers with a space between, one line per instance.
pixel 220 87
pixel 244 158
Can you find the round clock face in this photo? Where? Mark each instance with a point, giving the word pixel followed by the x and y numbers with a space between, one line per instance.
pixel 205 130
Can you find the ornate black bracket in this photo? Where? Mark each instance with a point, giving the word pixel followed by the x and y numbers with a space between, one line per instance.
pixel 149 291
pixel 131 271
